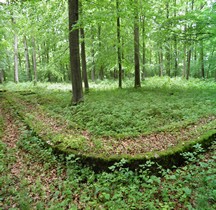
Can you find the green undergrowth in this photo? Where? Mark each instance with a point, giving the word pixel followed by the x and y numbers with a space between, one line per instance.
pixel 192 186
pixel 161 105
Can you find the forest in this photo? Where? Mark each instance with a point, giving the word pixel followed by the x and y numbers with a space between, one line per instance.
pixel 107 104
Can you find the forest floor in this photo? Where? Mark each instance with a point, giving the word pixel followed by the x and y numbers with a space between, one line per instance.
pixel 33 177
pixel 127 123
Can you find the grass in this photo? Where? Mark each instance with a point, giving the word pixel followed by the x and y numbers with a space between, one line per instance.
pixel 158 105
pixel 33 177
pixel 76 187
pixel 115 123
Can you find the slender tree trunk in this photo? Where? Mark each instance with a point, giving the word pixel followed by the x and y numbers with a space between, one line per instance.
pixel 47 59
pixel 160 62
pixel 168 60
pixel 175 56
pixel 167 55
pixel 122 56
pixel 83 58
pixel 202 60
pixel 34 60
pixel 188 63
pixel 93 57
pixel 143 49
pixel 119 44
pixel 73 8
pixel 175 47
pixel 190 49
pixel 27 61
pixel 83 52
pixel 136 47
pixel 101 68
pixel 16 62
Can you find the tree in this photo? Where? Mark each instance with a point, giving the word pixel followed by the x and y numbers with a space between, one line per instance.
pixel 16 62
pixel 83 58
pixel 73 8
pixel 27 61
pixel 83 55
pixel 119 44
pixel 34 60
pixel 136 46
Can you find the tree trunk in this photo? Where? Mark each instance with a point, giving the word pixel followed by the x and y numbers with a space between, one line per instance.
pixel 16 62
pixel 175 47
pixel 119 44
pixel 190 48
pixel 34 60
pixel 160 55
pixel 83 52
pixel 93 57
pixel 168 60
pixel 27 61
pixel 136 46
pixel 73 8
pixel 143 49
pixel 202 60
pixel 101 68
pixel 175 57
pixel 83 58
pixel 167 46
pixel 188 63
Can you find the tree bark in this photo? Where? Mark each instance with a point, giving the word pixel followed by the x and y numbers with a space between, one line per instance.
pixel 175 47
pixel 175 57
pixel 34 60
pixel 188 63
pixel 190 48
pixel 93 56
pixel 83 58
pixel 101 68
pixel 27 61
pixel 167 47
pixel 16 62
pixel 73 8
pixel 143 49
pixel 136 47
pixel 160 55
pixel 83 52
pixel 202 60
pixel 119 44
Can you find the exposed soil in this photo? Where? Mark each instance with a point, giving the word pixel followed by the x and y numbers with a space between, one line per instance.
pixel 24 167
pixel 156 141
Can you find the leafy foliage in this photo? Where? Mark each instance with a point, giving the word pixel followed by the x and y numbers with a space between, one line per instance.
pixel 33 176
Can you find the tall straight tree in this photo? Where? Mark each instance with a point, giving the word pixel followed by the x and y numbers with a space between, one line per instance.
pixel 175 45
pixel 27 61
pixel 34 59
pixel 83 53
pixel 83 59
pixel 202 60
pixel 16 63
pixel 136 45
pixel 73 8
pixel 119 44
pixel 143 48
